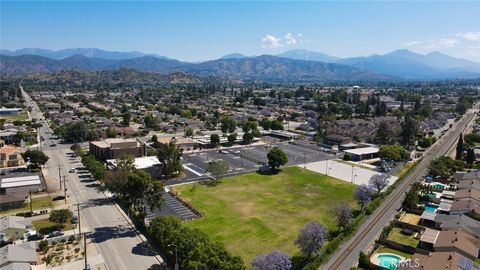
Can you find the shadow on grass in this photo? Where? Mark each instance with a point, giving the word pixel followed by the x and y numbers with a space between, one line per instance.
pixel 269 172
pixel 47 230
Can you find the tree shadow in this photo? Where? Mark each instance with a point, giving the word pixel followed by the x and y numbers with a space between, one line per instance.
pixel 269 172
pixel 143 249
pixel 97 202
pixel 103 234
pixel 93 185
pixel 158 267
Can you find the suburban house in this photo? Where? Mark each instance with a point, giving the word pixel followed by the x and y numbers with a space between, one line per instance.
pixel 17 257
pixel 10 156
pixel 114 147
pixel 186 144
pixel 13 228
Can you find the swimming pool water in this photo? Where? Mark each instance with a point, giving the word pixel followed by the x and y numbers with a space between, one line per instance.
pixel 431 208
pixel 389 261
pixel 439 186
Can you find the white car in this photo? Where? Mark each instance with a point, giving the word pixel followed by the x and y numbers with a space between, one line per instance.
pixel 72 170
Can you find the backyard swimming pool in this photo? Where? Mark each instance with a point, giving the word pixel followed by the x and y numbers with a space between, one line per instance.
pixel 389 261
pixel 438 186
pixel 430 208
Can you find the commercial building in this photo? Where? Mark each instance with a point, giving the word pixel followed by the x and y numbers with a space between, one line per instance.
pixel 359 154
pixel 113 148
pixel 14 189
pixel 149 164
pixel 9 111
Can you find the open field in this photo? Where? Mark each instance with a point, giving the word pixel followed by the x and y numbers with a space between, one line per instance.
pixel 257 213
pixel 19 117
pixel 44 226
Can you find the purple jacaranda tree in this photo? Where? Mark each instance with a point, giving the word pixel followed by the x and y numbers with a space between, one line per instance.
pixel 343 214
pixel 363 194
pixel 275 260
pixel 311 238
pixel 379 182
pixel 311 114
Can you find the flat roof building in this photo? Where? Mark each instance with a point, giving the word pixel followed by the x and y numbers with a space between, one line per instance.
pixel 114 147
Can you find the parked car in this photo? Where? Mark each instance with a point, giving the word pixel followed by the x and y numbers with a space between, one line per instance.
pixel 55 234
pixel 72 170
pixel 74 220
pixel 35 237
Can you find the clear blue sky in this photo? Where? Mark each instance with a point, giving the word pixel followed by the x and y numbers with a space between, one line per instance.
pixel 196 31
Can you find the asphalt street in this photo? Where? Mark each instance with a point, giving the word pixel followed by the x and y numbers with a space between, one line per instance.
pixel 116 239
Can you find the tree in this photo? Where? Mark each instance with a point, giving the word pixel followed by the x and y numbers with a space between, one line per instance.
pixel 126 116
pixel 409 130
pixel 60 217
pixel 384 134
pixel 276 125
pixel 189 132
pixel 77 131
pixel 169 155
pixel 217 169
pixel 111 133
pixel 363 194
pixel 470 156
pixel 426 142
pixel 311 238
pixel 215 140
pixel 343 214
pixel 43 245
pixel 276 158
pixel 275 260
pixel 76 148
pixel 228 124
pixel 232 138
pixel 444 167
pixel 265 123
pixel 379 182
pixel 392 152
pixel 35 157
pixel 249 126
pixel 459 149
pixel 247 137
pixel 141 190
pixel 154 138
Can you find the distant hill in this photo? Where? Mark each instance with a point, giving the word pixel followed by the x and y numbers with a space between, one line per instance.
pixel 272 68
pixel 88 52
pixel 234 56
pixel 410 65
pixel 150 64
pixel 299 54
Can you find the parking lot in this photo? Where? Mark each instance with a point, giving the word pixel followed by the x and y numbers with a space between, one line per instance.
pixel 247 159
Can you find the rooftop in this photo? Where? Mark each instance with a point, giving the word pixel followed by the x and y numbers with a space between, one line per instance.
pixel 20 181
pixel 362 151
pixel 141 162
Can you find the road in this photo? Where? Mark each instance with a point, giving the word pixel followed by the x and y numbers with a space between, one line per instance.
pixel 117 241
pixel 347 255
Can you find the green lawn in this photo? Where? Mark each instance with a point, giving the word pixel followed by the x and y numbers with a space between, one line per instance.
pixel 254 213
pixel 37 203
pixel 45 227
pixel 398 236
pixel 19 117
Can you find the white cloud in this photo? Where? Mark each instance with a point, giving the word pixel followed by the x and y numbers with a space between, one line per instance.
pixel 473 36
pixel 290 39
pixel 448 42
pixel 433 43
pixel 270 41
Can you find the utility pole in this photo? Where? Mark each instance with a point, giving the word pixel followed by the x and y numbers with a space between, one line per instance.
pixel 78 216
pixel 352 173
pixel 65 188
pixel 31 204
pixel 326 167
pixel 60 176
pixel 85 249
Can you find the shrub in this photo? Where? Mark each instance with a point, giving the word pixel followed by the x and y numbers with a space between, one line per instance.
pixel 43 245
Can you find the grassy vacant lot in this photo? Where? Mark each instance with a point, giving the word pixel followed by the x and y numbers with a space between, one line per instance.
pixel 37 203
pixel 254 213
pixel 44 226
pixel 19 117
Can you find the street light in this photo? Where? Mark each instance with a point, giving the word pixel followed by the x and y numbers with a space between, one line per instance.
pixel 176 257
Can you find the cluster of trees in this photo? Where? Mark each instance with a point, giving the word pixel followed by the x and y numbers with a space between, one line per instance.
pixel 470 141
pixel 77 132
pixel 364 193
pixel 194 249
pixel 169 155
pixel 427 141
pixel 96 168
pixel 35 157
pixel 392 152
pixel 444 167
pixel 267 124
pixel 135 188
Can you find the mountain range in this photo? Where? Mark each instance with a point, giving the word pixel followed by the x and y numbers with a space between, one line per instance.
pixel 291 66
